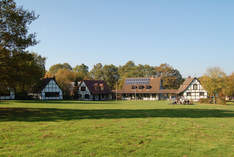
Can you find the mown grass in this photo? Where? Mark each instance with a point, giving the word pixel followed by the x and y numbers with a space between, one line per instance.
pixel 110 128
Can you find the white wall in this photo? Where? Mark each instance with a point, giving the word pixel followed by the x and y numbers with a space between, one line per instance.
pixel 51 87
pixel 91 97
pixel 195 94
pixel 83 93
pixel 10 97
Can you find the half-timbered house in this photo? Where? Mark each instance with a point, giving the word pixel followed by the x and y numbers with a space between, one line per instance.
pixel 48 89
pixel 192 89
pixel 94 90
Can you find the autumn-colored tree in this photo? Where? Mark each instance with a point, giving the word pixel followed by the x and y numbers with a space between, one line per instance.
pixel 214 82
pixel 64 78
pixel 230 85
pixel 171 77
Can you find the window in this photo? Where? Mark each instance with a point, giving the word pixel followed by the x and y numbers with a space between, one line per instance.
pixel 83 88
pixel 134 87
pixel 141 87
pixel 189 94
pixel 148 87
pixel 102 87
pixel 195 87
pixel 51 94
pixel 202 94
pixel 86 96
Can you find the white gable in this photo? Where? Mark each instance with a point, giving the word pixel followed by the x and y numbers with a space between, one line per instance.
pixel 51 87
pixel 86 89
pixel 195 91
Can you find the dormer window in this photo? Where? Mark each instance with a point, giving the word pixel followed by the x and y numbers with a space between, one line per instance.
pixel 148 87
pixel 195 87
pixel 141 87
pixel 134 87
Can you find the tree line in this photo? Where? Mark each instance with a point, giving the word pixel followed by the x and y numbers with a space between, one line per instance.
pixel 113 75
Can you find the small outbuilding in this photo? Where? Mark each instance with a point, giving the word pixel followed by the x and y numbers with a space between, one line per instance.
pixel 47 89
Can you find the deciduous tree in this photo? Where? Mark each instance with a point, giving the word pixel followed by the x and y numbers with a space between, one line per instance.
pixel 97 72
pixel 171 77
pixel 54 68
pixel 110 75
pixel 214 82
pixel 64 78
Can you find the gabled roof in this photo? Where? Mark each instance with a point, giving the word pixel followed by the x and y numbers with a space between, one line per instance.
pixel 42 84
pixel 186 84
pixel 97 86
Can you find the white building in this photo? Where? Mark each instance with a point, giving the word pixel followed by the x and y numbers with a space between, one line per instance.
pixel 94 90
pixel 9 95
pixel 48 89
pixel 192 89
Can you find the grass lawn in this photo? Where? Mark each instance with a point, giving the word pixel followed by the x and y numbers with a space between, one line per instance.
pixel 118 129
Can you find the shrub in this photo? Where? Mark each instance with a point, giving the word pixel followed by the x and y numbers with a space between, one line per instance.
pixel 221 101
pixel 204 101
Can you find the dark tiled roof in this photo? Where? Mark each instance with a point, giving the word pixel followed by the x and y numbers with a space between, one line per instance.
pixel 97 86
pixel 185 85
pixel 42 84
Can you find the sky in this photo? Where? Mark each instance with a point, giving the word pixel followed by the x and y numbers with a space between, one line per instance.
pixel 190 35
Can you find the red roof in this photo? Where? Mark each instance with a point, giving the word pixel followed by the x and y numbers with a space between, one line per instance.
pixel 185 85
pixel 97 86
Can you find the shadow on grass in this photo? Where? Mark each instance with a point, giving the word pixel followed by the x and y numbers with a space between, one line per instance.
pixel 51 114
pixel 57 102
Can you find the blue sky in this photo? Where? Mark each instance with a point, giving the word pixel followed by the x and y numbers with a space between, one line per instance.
pixel 189 35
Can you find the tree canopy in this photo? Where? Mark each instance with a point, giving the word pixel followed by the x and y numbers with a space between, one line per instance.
pixel 172 79
pixel 14 23
pixel 19 69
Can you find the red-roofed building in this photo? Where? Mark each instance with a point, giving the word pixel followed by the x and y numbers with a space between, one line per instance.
pixel 152 89
pixel 94 90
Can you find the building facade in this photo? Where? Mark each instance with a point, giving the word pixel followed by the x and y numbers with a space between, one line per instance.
pixel 192 89
pixel 152 89
pixel 93 90
pixel 48 89
pixel 145 89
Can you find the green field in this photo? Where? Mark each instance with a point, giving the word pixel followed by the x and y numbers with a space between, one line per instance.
pixel 123 128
